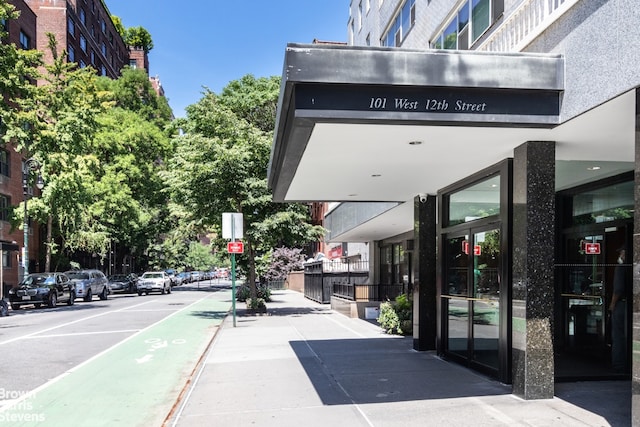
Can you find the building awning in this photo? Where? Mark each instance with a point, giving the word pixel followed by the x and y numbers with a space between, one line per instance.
pixel 8 246
pixel 363 124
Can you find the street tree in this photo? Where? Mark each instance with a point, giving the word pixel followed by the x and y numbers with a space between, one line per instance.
pixel 18 71
pixel 61 119
pixel 221 166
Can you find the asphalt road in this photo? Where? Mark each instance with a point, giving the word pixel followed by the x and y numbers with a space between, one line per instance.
pixel 123 361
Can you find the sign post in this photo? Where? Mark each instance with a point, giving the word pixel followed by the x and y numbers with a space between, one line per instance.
pixel 232 229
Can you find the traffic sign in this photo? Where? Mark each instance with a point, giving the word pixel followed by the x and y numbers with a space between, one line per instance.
pixel 235 247
pixel 592 248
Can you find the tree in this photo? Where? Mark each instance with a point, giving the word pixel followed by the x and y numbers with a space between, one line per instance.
pixel 138 37
pixel 221 165
pixel 18 69
pixel 62 121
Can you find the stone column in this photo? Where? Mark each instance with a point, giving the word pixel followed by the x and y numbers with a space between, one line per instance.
pixel 635 359
pixel 533 269
pixel 424 273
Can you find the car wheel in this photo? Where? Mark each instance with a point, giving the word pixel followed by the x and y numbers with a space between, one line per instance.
pixel 53 299
pixel 146 293
pixel 15 306
pixel 139 294
pixel 72 298
pixel 104 294
pixel 89 296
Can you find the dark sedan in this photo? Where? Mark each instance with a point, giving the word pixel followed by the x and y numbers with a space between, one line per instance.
pixel 42 288
pixel 125 283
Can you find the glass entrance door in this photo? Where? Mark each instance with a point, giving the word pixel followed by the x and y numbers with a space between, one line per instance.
pixel 586 336
pixel 471 299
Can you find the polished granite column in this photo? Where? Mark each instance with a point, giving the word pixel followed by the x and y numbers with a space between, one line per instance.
pixel 635 357
pixel 424 273
pixel 533 269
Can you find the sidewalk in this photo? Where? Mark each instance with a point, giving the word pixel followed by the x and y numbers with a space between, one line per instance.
pixel 303 364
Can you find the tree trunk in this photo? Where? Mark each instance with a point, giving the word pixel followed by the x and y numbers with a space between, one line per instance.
pixel 47 259
pixel 252 270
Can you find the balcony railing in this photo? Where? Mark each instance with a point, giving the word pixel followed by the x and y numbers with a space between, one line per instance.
pixel 526 23
pixel 320 277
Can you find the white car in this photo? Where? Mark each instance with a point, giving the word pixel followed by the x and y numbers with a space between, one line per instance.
pixel 154 281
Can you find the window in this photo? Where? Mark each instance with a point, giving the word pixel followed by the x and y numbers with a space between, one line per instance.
pixel 71 54
pixel 103 26
pixel 103 70
pixel 133 64
pixel 6 259
pixel 82 64
pixel 401 25
pixel 83 43
pixel 479 200
pixel 471 21
pixel 25 41
pixel 4 163
pixel 103 48
pixel 71 26
pixel 83 17
pixel 93 57
pixel 5 207
pixel 4 24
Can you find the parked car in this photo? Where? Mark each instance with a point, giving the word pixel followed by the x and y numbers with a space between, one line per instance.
pixel 195 276
pixel 154 281
pixel 42 288
pixel 172 276
pixel 89 283
pixel 185 277
pixel 125 283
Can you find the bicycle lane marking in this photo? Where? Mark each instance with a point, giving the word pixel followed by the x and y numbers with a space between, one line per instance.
pixel 133 383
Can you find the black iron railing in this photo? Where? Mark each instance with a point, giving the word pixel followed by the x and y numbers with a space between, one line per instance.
pixel 320 277
pixel 366 292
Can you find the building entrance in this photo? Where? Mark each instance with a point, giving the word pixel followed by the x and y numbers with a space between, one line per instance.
pixel 592 335
pixel 472 297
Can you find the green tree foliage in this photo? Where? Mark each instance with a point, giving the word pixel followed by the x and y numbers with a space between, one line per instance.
pixel 62 121
pixel 138 37
pixel 132 91
pixel 18 68
pixel 117 23
pixel 221 166
pixel 254 100
pixel 199 257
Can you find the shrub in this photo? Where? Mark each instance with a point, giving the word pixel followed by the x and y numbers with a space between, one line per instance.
pixel 396 317
pixel 256 304
pixel 243 293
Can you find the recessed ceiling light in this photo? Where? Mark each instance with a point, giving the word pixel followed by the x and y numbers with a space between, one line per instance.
pixel 593 168
pixel 415 142
pixel 376 175
pixel 352 195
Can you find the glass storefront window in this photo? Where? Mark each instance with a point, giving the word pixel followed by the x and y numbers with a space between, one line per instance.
pixel 604 204
pixel 480 200
pixel 457 266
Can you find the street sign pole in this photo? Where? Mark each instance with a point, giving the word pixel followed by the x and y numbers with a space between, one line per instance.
pixel 233 275
pixel 232 224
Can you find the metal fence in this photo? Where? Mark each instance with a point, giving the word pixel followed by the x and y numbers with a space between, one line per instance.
pixel 365 292
pixel 320 277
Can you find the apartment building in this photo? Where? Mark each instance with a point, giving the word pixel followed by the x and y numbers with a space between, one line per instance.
pixel 84 28
pixel 490 147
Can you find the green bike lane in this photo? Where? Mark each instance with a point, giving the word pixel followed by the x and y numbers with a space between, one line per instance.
pixel 135 383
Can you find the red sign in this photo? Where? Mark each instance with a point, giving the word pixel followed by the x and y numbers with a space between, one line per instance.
pixel 235 247
pixel 465 247
pixel 592 248
pixel 477 250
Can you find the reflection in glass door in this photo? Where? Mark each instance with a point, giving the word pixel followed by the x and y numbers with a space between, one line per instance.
pixel 486 297
pixel 472 297
pixel 586 279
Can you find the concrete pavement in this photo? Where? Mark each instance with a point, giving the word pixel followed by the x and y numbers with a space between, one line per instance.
pixel 304 364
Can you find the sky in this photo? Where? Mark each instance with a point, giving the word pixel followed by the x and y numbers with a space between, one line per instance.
pixel 209 43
